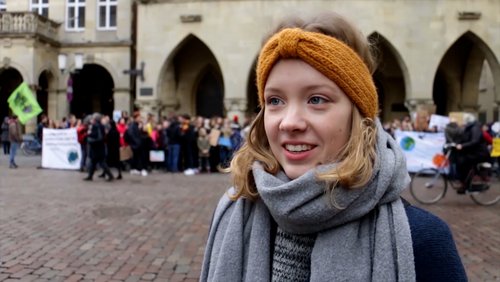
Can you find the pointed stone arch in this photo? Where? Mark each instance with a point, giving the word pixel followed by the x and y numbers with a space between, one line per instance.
pixel 209 95
pixel 191 64
pixel 391 78
pixel 45 85
pixel 252 91
pixel 456 82
pixel 10 78
pixel 93 89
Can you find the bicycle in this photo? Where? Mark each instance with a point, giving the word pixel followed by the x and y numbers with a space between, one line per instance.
pixel 429 185
pixel 30 145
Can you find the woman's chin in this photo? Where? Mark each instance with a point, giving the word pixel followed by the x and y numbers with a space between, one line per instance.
pixel 293 172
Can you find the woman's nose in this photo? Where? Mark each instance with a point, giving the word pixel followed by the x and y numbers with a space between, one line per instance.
pixel 293 119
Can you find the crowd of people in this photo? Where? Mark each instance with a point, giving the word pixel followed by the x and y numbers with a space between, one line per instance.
pixel 174 143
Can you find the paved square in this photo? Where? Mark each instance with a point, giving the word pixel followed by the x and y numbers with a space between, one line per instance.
pixel 56 227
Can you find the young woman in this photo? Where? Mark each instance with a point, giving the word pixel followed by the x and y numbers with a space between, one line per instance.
pixel 317 186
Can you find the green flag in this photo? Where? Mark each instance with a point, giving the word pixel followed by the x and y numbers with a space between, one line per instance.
pixel 23 103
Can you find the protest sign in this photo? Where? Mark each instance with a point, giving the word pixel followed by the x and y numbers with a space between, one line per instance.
pixel 23 104
pixel 422 150
pixel 60 149
pixel 439 122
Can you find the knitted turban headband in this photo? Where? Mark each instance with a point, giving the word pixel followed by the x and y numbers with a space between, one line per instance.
pixel 333 58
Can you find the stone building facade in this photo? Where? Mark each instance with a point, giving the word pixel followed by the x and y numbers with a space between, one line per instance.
pixel 94 38
pixel 432 52
pixel 198 57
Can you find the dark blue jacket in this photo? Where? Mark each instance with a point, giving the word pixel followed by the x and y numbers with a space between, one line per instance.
pixel 436 256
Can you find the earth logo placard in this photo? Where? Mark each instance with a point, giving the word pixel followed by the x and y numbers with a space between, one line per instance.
pixel 407 143
pixel 72 156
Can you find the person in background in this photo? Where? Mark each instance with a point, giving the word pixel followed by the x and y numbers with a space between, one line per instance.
pixel 316 192
pixel 187 137
pixel 147 145
pixel 157 144
pixel 406 124
pixel 174 144
pixel 165 126
pixel 44 123
pixel 472 150
pixel 125 116
pixel 236 138
pixel 487 134
pixel 5 136
pixel 113 149
pixel 72 120
pixel 82 128
pixel 225 145
pixel 105 123
pixel 53 124
pixel 122 128
pixel 150 124
pixel 203 149
pixel 15 138
pixel 133 139
pixel 213 139
pixel 97 148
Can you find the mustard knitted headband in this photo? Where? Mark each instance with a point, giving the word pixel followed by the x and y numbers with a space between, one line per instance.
pixel 333 58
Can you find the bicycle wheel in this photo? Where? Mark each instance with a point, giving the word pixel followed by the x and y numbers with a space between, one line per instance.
pixel 489 196
pixel 428 186
pixel 24 149
pixel 27 151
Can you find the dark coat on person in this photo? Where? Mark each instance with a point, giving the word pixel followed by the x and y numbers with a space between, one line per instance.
pixel 5 132
pixel 96 141
pixel 436 256
pixel 474 146
pixel 174 134
pixel 133 136
pixel 113 146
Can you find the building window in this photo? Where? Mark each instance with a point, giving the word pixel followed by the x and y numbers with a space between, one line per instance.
pixel 75 14
pixel 40 6
pixel 3 5
pixel 107 14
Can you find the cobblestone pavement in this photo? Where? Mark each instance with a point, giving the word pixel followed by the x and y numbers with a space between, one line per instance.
pixel 56 227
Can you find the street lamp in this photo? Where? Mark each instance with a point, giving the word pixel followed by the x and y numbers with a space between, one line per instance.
pixel 62 62
pixel 136 72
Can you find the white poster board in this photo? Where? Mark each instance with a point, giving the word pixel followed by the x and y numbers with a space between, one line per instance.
pixel 60 149
pixel 421 149
pixel 439 121
pixel 117 114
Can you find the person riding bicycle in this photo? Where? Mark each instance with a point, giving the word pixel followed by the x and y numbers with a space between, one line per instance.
pixel 453 134
pixel 472 150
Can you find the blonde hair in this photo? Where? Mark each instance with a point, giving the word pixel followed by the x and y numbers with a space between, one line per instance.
pixel 356 159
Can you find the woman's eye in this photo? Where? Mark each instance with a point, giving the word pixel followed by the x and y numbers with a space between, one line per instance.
pixel 273 101
pixel 317 100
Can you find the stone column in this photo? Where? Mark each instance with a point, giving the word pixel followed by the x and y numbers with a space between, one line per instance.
pixel 52 104
pixel 236 106
pixel 122 99
pixel 62 105
pixel 469 107
pixel 149 107
pixel 30 125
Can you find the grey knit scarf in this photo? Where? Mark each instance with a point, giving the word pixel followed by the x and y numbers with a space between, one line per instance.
pixel 368 240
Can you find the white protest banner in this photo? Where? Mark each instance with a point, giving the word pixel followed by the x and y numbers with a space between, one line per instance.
pixel 60 149
pixel 422 150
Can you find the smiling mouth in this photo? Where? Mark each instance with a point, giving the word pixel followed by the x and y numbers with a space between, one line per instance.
pixel 298 148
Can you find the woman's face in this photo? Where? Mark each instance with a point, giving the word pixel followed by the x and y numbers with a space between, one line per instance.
pixel 307 117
